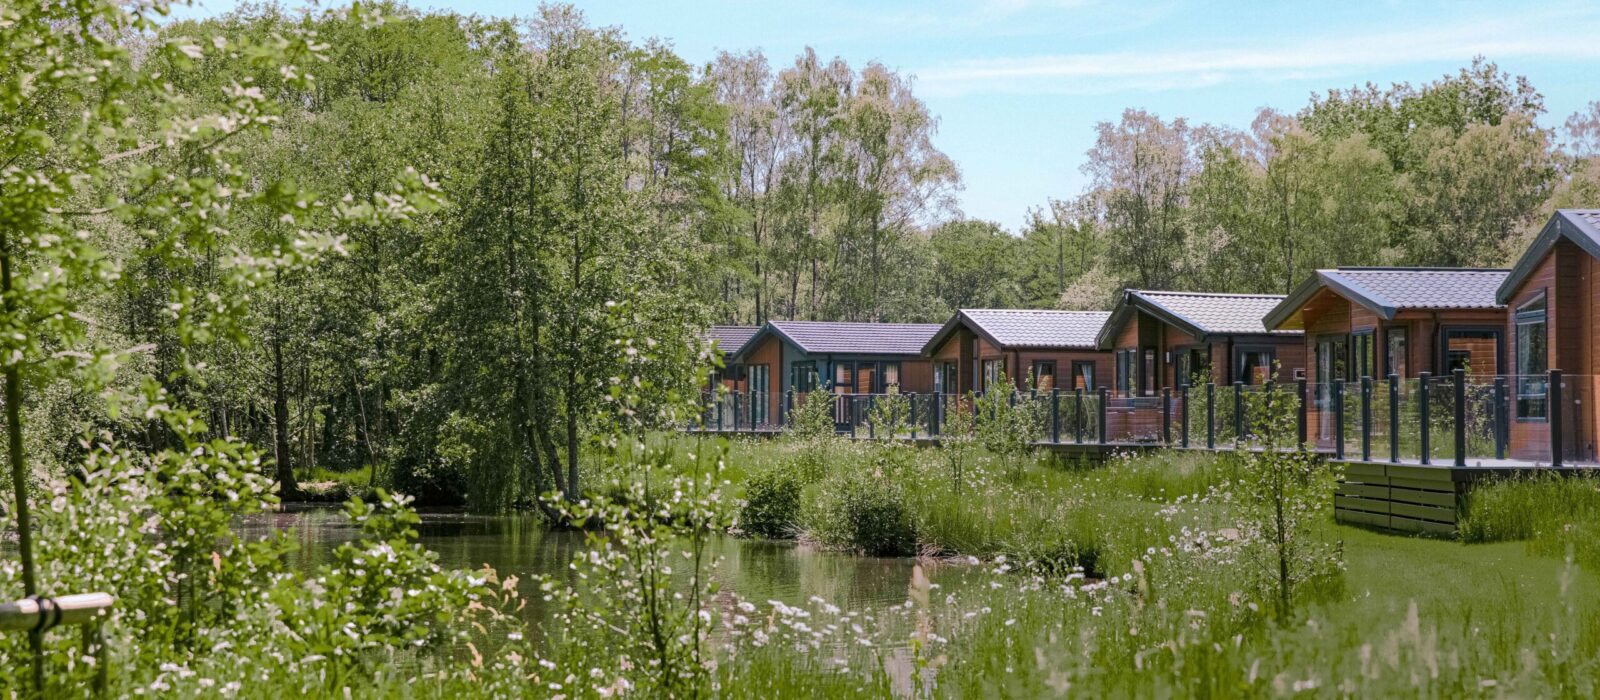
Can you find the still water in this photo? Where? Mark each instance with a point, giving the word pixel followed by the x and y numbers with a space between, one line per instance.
pixel 757 571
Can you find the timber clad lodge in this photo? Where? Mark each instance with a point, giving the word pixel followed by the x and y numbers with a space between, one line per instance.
pixel 1418 381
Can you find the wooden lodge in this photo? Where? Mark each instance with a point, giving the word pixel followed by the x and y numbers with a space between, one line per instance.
pixel 729 340
pixel 1374 322
pixel 844 358
pixel 1163 340
pixel 1038 349
pixel 1552 318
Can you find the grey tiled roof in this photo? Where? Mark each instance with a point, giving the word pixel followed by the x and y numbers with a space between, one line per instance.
pixel 1025 328
pixel 1217 313
pixel 730 338
pixel 824 337
pixel 1421 288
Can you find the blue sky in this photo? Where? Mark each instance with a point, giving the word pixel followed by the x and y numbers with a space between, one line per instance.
pixel 1018 85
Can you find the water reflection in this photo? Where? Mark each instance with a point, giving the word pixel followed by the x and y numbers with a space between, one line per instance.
pixel 519 545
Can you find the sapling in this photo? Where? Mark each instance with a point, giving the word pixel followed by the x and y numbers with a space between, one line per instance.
pixel 1287 490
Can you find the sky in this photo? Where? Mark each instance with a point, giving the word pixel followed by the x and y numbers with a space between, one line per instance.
pixel 1018 86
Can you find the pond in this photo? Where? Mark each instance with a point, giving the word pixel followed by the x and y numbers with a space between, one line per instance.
pixel 757 571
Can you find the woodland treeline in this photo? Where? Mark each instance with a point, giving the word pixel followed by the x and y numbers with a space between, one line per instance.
pixel 600 191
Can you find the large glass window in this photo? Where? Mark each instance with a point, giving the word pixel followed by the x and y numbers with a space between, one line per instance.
pixel 844 375
pixel 759 386
pixel 944 377
pixel 1533 360
pixel 1364 354
pixel 1147 379
pixel 803 377
pixel 1127 371
pixel 1395 360
pixel 993 370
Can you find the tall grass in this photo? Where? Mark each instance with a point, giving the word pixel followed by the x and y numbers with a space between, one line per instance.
pixel 1558 514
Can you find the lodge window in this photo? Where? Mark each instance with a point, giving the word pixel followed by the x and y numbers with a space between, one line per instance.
pixel 1364 354
pixel 1395 361
pixel 1331 365
pixel 1083 375
pixel 1254 365
pixel 803 377
pixel 1190 362
pixel 944 377
pixel 1532 360
pixel 1043 375
pixel 760 384
pixel 1476 350
pixel 993 372
pixel 865 377
pixel 1147 379
pixel 1127 368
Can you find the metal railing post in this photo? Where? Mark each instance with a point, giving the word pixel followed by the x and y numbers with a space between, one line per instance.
pixel 1238 414
pixel 1301 415
pixel 1461 417
pixel 1166 416
pixel 1425 414
pixel 1077 416
pixel 933 414
pixel 1183 428
pixel 1211 416
pixel 1338 419
pixel 1394 418
pixel 1366 419
pixel 1104 393
pixel 1055 415
pixel 736 411
pixel 1553 410
pixel 1500 422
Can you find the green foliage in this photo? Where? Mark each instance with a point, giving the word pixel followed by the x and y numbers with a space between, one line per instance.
pixel 771 504
pixel 1285 500
pixel 812 417
pixel 1558 514
pixel 863 511
pixel 890 414
pixel 1007 422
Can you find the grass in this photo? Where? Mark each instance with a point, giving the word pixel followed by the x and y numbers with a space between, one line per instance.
pixel 321 484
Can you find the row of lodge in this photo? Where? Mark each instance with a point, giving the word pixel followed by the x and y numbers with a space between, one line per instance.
pixel 1341 324
pixel 1501 361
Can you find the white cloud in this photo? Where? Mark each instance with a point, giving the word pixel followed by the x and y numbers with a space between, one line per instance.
pixel 1089 73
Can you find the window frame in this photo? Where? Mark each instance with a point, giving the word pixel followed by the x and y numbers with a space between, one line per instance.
pixel 1239 353
pixel 1389 337
pixel 1088 379
pixel 1033 373
pixel 1522 317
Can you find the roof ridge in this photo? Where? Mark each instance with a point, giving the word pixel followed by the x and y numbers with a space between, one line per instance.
pixel 1379 268
pixel 1240 295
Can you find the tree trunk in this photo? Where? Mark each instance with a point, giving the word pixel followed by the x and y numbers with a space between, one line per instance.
pixel 287 488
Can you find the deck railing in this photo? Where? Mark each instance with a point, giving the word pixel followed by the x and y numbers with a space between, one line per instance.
pixel 1456 419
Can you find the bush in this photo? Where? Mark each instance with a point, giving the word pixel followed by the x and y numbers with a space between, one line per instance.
pixel 772 504
pixel 865 513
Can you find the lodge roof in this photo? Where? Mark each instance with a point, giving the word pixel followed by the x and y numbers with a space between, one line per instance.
pixel 1026 328
pixel 730 339
pixel 845 338
pixel 1581 226
pixel 1388 290
pixel 1199 314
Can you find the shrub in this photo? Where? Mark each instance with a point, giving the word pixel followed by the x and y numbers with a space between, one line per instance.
pixel 865 513
pixel 772 504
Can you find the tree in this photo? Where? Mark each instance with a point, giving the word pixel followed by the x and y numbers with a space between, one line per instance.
pixel 1139 169
pixel 974 265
